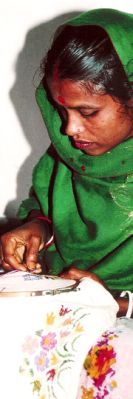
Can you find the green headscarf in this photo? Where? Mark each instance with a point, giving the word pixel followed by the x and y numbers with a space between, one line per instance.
pixel 89 199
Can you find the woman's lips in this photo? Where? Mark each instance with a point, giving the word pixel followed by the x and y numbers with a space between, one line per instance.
pixel 83 144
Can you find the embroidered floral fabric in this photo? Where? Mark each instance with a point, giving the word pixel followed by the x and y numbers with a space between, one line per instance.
pixel 44 340
pixel 108 368
pixel 48 355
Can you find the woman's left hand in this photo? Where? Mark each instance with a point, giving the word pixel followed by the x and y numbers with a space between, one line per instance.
pixel 75 274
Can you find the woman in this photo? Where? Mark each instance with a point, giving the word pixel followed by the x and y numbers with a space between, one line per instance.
pixel 83 184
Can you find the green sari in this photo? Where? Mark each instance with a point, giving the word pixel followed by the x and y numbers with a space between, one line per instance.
pixel 89 199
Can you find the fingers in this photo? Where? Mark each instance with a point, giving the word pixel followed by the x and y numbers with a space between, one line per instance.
pixel 65 275
pixel 12 255
pixel 13 265
pixel 69 275
pixel 72 273
pixel 19 251
pixel 1 255
pixel 76 274
pixel 32 252
pixel 38 269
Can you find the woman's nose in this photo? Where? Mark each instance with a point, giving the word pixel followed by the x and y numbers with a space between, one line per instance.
pixel 73 125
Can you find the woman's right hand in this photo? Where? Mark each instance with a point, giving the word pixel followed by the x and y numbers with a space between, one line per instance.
pixel 19 248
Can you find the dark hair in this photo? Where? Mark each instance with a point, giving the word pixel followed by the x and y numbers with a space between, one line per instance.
pixel 85 53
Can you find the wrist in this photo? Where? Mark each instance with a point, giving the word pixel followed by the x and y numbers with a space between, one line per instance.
pixel 36 216
pixel 50 239
pixel 35 213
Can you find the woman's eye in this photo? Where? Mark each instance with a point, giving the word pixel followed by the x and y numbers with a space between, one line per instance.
pixel 85 115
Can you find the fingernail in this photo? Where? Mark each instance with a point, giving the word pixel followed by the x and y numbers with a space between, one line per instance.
pixel 31 267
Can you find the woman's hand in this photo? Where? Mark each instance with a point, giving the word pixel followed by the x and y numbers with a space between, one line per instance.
pixel 76 274
pixel 19 248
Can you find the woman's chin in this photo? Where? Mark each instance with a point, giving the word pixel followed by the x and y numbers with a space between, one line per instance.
pixel 95 151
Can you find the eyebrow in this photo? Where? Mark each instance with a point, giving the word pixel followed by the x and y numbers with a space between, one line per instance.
pixel 82 106
pixel 86 107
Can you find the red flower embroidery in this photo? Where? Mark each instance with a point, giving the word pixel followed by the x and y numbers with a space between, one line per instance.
pixel 64 311
pixel 51 373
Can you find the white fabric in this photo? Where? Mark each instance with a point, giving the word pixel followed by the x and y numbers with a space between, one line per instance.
pixel 83 315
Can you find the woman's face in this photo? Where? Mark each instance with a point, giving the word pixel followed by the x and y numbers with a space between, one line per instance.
pixel 95 122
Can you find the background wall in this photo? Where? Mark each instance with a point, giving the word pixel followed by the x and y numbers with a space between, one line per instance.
pixel 26 31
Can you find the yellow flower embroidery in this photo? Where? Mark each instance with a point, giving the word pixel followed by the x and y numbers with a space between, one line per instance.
pixel 113 384
pixel 54 359
pixel 36 386
pixel 68 321
pixel 79 328
pixel 50 318
pixel 87 394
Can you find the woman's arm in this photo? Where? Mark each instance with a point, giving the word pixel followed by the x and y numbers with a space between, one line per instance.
pixel 77 274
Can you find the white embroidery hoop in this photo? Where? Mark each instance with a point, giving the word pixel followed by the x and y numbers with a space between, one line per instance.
pixel 14 284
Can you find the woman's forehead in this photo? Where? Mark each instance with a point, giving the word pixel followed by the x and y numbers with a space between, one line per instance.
pixel 68 92
pixel 61 99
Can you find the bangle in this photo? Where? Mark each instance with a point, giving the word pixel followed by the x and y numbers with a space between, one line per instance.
pixel 130 303
pixel 44 218
pixel 51 240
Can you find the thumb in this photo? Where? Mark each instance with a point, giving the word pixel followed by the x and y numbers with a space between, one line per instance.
pixel 32 252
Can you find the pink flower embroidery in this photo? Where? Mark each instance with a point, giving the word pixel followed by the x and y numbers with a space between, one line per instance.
pixel 30 345
pixel 64 333
pixel 48 341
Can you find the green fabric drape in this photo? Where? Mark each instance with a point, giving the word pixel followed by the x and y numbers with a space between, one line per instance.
pixel 90 199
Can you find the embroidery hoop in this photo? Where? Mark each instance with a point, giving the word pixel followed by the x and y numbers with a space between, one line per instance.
pixel 18 284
